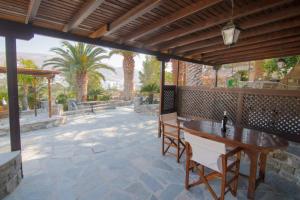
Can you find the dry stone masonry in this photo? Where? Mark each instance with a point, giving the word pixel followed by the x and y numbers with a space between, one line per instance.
pixel 10 172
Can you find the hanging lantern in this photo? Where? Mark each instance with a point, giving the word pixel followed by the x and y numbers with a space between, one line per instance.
pixel 280 63
pixel 230 33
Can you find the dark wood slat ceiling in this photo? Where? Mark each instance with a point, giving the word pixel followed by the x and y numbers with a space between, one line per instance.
pixel 267 25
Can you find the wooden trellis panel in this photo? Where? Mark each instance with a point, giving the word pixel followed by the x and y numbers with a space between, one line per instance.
pixel 169 101
pixel 273 111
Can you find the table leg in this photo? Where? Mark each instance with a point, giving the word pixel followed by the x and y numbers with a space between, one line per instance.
pixel 262 166
pixel 253 156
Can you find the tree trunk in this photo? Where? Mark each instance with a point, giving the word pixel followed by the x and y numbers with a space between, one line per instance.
pixel 25 98
pixel 193 74
pixel 128 69
pixel 82 86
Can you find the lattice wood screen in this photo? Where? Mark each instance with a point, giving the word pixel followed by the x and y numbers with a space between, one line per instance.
pixel 169 101
pixel 274 111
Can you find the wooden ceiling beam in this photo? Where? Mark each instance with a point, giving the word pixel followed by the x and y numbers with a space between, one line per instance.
pixel 252 47
pixel 262 50
pixel 88 8
pixel 184 12
pixel 131 15
pixel 253 40
pixel 251 57
pixel 256 31
pixel 32 10
pixel 176 38
pixel 275 54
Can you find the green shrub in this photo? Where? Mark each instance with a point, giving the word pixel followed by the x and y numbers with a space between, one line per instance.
pixel 62 99
pixel 150 90
pixel 105 97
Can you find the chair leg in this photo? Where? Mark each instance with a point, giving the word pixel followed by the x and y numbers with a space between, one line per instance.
pixel 187 171
pixel 237 171
pixel 223 180
pixel 205 181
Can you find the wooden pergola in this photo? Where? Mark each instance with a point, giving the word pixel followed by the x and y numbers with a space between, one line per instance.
pixel 188 30
pixel 49 74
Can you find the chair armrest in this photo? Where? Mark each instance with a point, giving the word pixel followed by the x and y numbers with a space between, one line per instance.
pixel 233 152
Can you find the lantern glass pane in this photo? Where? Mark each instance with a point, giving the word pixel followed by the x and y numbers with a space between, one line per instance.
pixel 228 35
pixel 236 35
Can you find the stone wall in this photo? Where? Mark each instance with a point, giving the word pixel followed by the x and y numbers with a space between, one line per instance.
pixel 10 172
pixel 286 162
pixel 36 125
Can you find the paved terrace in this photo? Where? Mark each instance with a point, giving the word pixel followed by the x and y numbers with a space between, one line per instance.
pixel 114 155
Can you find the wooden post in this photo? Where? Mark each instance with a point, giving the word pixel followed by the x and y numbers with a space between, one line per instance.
pixel 162 84
pixel 216 68
pixel 49 98
pixel 12 84
pixel 34 96
pixel 177 74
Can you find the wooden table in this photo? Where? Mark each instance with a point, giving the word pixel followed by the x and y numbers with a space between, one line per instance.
pixel 256 144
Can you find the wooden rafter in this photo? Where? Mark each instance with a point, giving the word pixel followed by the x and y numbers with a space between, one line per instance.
pixel 184 12
pixel 249 48
pixel 248 33
pixel 262 50
pixel 275 54
pixel 132 14
pixel 32 10
pixel 88 8
pixel 266 25
pixel 252 8
pixel 252 40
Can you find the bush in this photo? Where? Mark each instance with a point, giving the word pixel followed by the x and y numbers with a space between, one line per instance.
pixel 150 90
pixel 62 99
pixel 105 97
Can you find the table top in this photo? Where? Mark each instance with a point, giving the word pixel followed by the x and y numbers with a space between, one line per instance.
pixel 247 138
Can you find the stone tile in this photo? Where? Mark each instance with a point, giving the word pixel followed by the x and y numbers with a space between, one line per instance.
pixel 162 165
pixel 138 191
pixel 117 195
pixel 171 192
pixel 116 155
pixel 150 182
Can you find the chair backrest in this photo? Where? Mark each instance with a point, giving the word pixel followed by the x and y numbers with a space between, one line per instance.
pixel 168 117
pixel 205 151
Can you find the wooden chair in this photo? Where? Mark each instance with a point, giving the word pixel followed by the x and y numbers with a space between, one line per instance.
pixel 202 153
pixel 170 128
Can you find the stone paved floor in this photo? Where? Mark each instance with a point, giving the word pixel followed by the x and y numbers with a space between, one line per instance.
pixel 113 156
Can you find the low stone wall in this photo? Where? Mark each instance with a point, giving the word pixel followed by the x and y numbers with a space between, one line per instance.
pixel 36 125
pixel 151 109
pixel 10 172
pixel 286 162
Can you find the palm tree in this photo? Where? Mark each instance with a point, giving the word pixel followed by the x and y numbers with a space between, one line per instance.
pixel 26 80
pixel 128 69
pixel 78 62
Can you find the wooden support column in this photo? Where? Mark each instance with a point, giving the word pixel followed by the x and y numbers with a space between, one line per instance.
pixel 12 84
pixel 49 98
pixel 216 68
pixel 162 84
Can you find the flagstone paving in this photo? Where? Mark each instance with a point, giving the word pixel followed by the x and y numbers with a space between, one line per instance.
pixel 114 155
